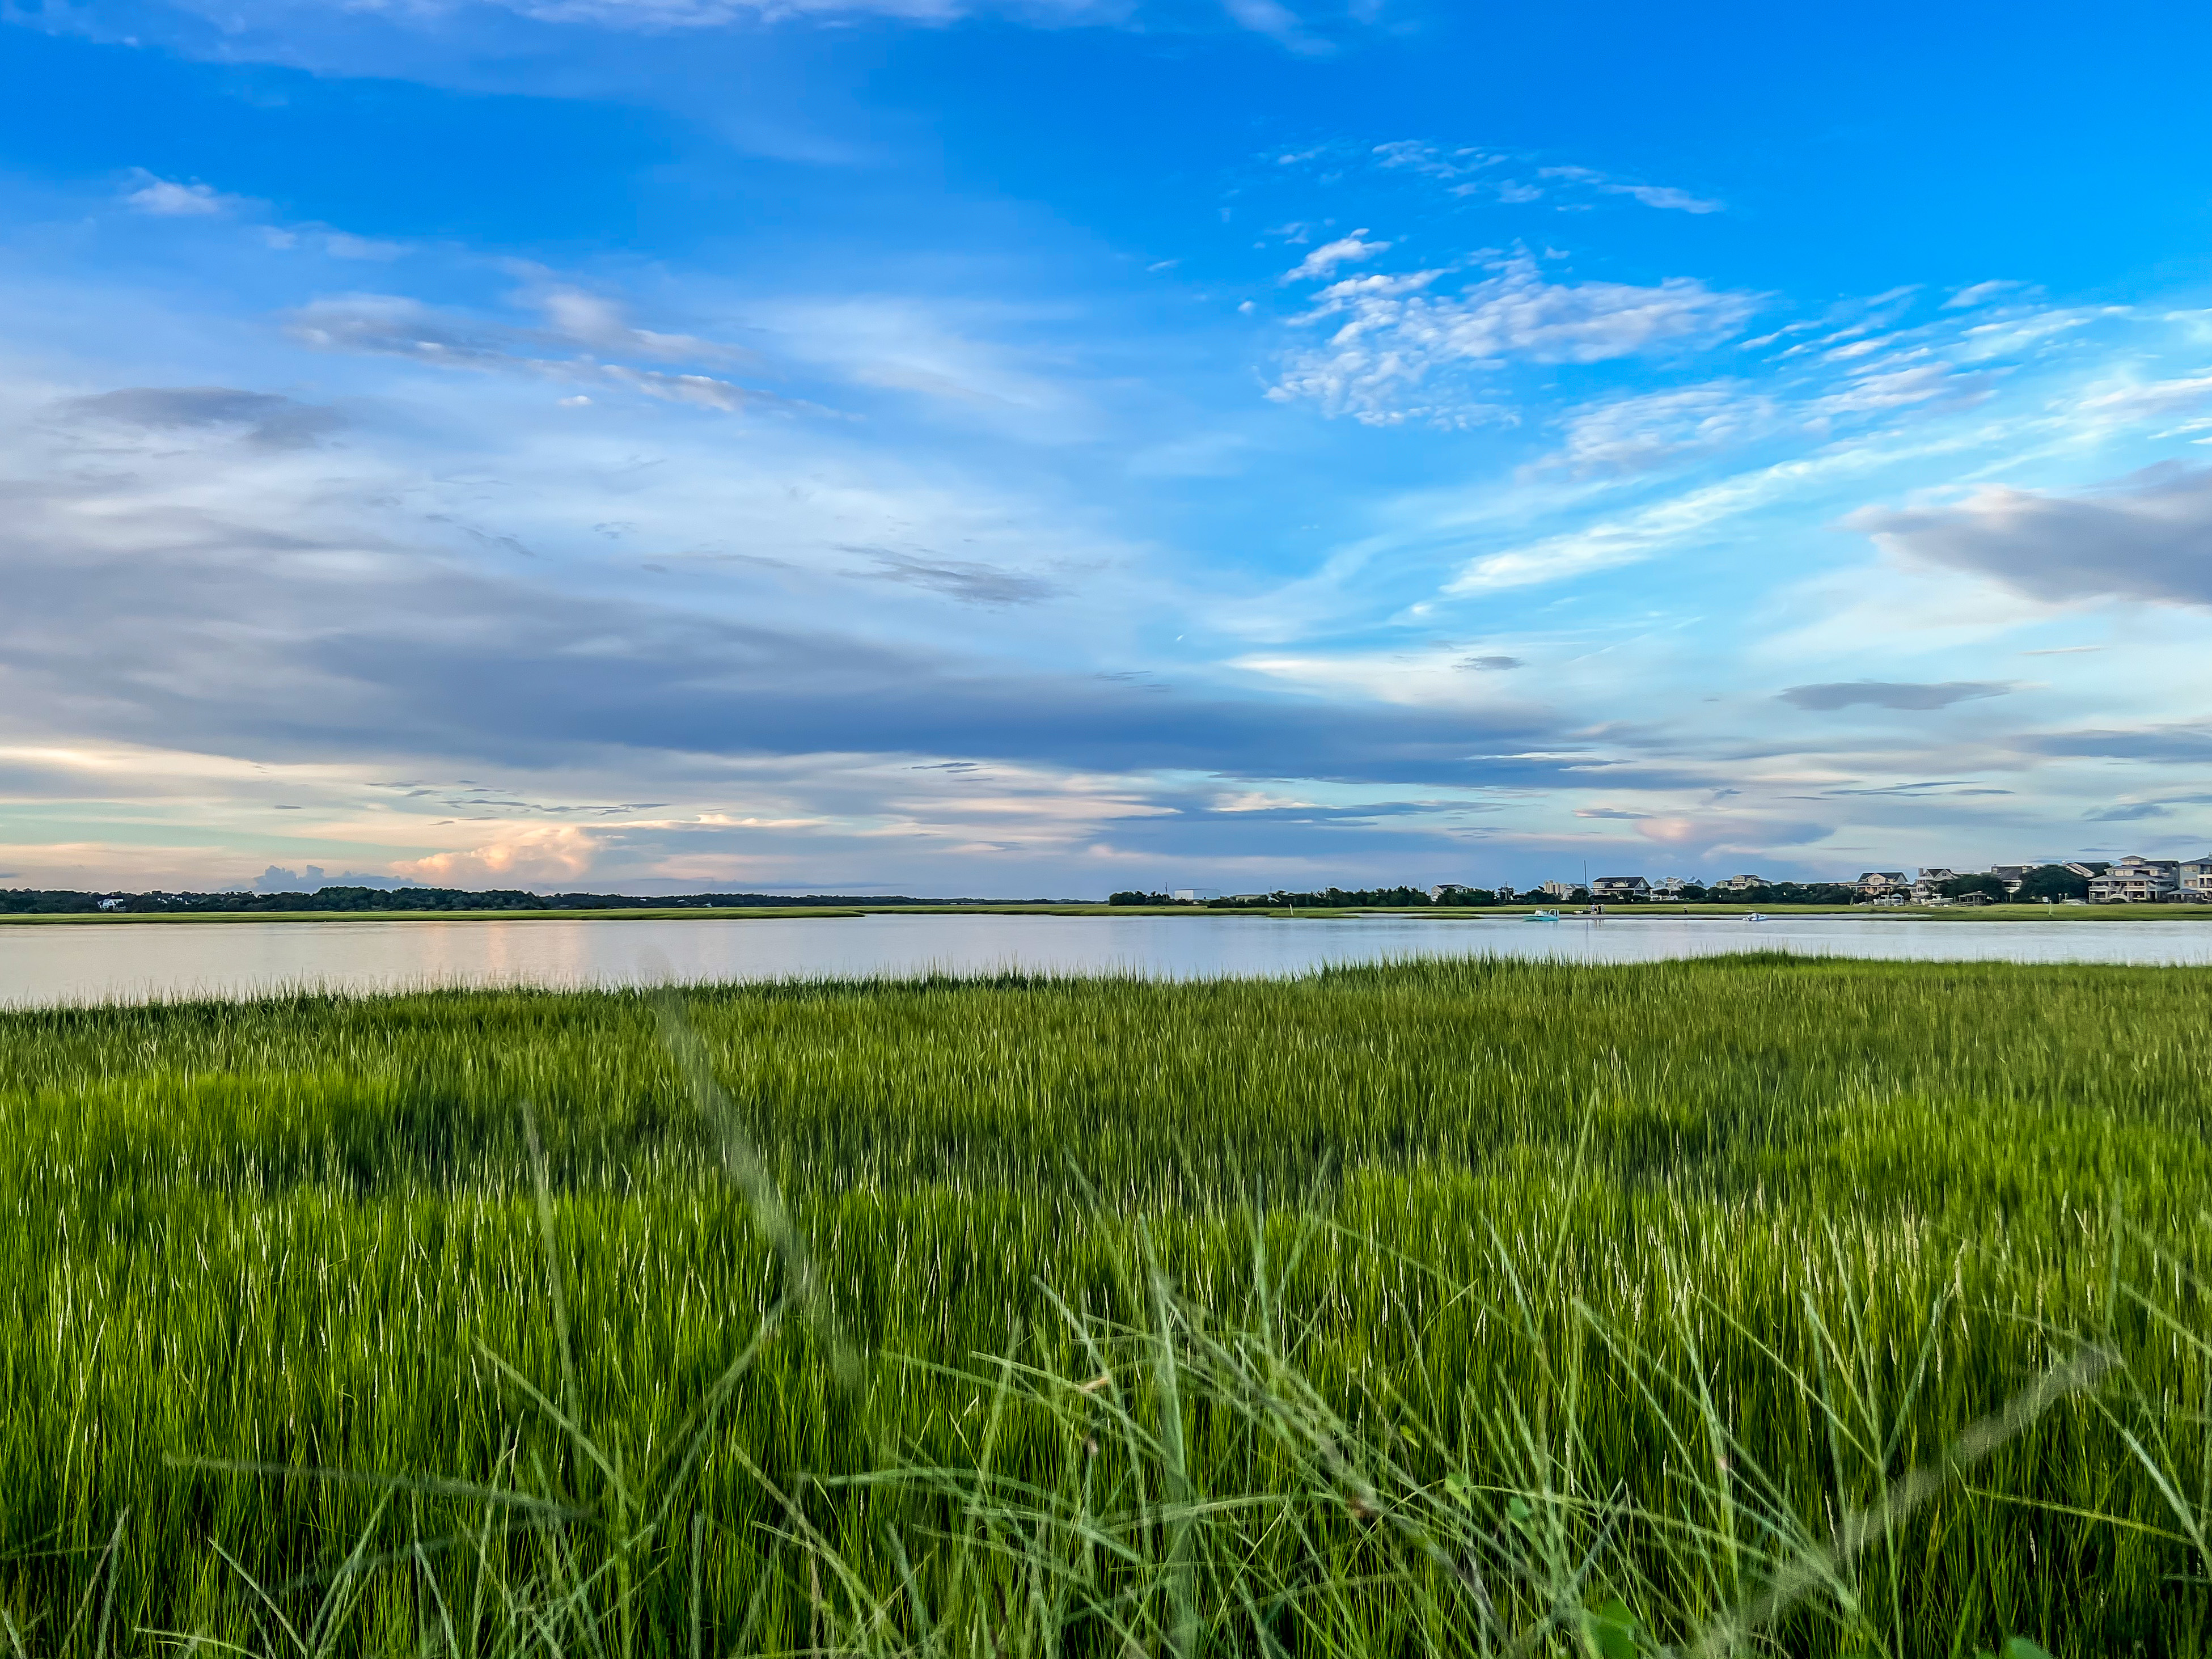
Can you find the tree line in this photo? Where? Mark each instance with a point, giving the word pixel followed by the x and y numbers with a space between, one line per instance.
pixel 1327 898
pixel 28 901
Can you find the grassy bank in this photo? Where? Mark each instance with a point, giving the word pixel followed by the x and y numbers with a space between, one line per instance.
pixel 1484 1307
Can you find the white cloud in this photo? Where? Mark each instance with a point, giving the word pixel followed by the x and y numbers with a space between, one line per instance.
pixel 1987 340
pixel 1635 434
pixel 1979 294
pixel 1270 18
pixel 591 319
pixel 939 352
pixel 1324 259
pixel 1870 377
pixel 166 199
pixel 343 245
pixel 1389 342
pixel 1600 547
pixel 1464 171
pixel 660 14
pixel 2149 399
pixel 1450 165
pixel 1729 833
pixel 1275 20
pixel 394 325
pixel 1671 524
pixel 552 852
pixel 1665 197
pixel 700 391
pixel 1375 285
pixel 1880 386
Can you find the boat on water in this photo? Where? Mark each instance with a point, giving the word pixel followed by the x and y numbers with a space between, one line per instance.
pixel 1754 916
pixel 1541 915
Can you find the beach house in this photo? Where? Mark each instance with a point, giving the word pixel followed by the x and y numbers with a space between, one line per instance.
pixel 2137 880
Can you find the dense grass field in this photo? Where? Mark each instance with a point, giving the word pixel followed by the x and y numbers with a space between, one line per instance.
pixel 1752 1304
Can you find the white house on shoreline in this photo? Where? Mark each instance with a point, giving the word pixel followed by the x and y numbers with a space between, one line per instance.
pixel 2137 880
pixel 2134 879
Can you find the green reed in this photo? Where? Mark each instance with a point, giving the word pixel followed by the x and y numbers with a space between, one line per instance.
pixel 1485 1307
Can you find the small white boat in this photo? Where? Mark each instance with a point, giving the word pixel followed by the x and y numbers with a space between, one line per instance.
pixel 1541 915
pixel 1754 916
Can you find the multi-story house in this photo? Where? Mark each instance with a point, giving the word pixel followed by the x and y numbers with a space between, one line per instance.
pixel 2137 880
pixel 1924 890
pixel 1668 887
pixel 1560 889
pixel 2011 875
pixel 1620 887
pixel 1883 883
pixel 2195 879
pixel 1738 883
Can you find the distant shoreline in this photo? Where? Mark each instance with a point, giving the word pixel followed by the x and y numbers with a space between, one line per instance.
pixel 1997 912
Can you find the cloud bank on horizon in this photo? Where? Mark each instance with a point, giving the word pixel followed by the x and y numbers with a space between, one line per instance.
pixel 1045 448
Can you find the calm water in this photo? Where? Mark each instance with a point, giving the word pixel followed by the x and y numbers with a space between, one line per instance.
pixel 141 961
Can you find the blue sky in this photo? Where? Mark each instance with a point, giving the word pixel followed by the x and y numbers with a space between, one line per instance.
pixel 1048 448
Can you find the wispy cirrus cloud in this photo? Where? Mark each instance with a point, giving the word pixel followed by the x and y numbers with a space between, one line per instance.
pixel 953 356
pixel 1978 294
pixel 1473 172
pixel 173 198
pixel 2135 400
pixel 1323 261
pixel 963 579
pixel 1637 433
pixel 1270 19
pixel 657 16
pixel 397 325
pixel 1276 21
pixel 1395 343
pixel 1665 197
pixel 593 320
pixel 1647 532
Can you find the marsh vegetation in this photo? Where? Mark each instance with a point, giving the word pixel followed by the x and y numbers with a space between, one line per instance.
pixel 1731 1305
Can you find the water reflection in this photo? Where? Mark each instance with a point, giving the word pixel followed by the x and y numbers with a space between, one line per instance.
pixel 70 963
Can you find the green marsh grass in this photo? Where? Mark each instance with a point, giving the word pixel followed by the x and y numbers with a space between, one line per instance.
pixel 1746 1304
